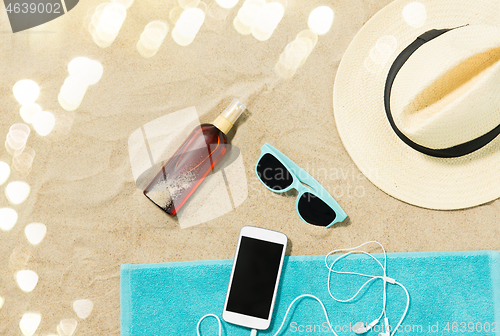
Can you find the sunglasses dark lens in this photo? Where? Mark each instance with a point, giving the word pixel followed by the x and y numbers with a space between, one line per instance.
pixel 315 211
pixel 272 173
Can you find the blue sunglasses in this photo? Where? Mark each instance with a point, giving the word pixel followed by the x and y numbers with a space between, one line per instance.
pixel 314 204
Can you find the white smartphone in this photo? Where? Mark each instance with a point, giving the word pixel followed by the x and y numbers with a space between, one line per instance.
pixel 255 277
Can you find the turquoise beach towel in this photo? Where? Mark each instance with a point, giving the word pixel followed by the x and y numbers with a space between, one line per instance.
pixel 452 293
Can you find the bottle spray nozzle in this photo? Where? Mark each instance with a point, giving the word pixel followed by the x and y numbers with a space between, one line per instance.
pixel 233 111
pixel 229 116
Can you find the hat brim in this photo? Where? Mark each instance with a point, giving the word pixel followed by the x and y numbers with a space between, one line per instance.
pixel 358 100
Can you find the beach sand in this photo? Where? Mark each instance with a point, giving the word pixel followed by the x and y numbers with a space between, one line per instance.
pixel 82 186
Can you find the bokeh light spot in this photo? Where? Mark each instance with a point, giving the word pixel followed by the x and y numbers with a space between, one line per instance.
pixel 415 14
pixel 29 323
pixel 86 70
pixel 23 162
pixel 26 280
pixel 8 218
pixel 107 22
pixel 227 3
pixel 44 122
pixel 320 20
pixel 35 232
pixel 17 138
pixel 26 91
pixel 381 52
pixel 296 53
pixel 266 20
pixel 67 327
pixel 17 191
pixel 83 308
pixel 4 172
pixel 188 25
pixel 152 38
pixel 72 92
pixel 28 111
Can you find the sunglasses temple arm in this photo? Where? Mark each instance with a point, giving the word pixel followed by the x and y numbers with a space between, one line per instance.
pixel 306 178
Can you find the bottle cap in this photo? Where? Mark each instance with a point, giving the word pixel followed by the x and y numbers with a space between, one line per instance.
pixel 227 118
pixel 233 111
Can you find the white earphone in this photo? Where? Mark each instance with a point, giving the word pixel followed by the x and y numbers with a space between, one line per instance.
pixel 358 328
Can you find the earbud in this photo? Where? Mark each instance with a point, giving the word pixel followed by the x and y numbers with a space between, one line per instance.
pixel 387 328
pixel 359 328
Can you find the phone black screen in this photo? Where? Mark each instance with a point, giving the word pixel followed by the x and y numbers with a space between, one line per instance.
pixel 254 278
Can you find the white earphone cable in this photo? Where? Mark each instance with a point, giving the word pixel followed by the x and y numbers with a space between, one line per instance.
pixel 406 309
pixel 354 250
pixel 300 297
pixel 205 316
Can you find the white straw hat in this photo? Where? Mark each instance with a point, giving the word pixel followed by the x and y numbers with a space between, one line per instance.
pixel 433 141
